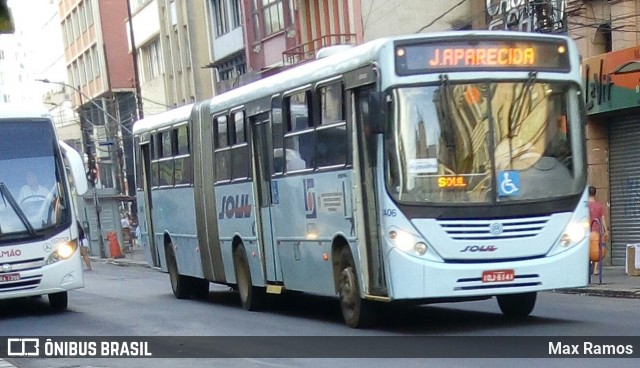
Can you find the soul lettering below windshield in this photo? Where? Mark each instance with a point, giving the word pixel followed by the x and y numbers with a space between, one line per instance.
pixel 484 143
pixel 32 198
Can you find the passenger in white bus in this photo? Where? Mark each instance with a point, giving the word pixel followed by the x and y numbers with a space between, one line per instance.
pixel 33 190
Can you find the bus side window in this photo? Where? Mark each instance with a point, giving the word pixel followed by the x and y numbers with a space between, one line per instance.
pixel 277 135
pixel 222 150
pixel 331 135
pixel 166 164
pixel 183 161
pixel 300 135
pixel 155 154
pixel 241 162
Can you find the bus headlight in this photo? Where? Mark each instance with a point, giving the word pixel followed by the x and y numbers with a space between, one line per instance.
pixel 574 232
pixel 407 242
pixel 64 250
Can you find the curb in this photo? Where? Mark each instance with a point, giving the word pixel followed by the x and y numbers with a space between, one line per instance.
pixel 125 263
pixel 607 293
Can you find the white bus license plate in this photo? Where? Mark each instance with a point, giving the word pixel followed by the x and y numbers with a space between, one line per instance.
pixel 498 276
pixel 10 277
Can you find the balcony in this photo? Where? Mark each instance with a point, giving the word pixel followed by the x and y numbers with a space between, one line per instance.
pixel 307 51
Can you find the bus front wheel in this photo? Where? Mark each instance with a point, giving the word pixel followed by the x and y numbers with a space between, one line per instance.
pixel 59 301
pixel 251 297
pixel 357 312
pixel 517 306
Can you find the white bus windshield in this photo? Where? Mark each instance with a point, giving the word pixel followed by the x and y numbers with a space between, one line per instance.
pixel 484 143
pixel 33 198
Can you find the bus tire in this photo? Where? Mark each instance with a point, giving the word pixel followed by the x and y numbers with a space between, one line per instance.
pixel 180 284
pixel 357 312
pixel 251 297
pixel 517 306
pixel 199 288
pixel 59 301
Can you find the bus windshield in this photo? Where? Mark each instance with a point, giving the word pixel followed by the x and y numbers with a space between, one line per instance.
pixel 32 198
pixel 484 143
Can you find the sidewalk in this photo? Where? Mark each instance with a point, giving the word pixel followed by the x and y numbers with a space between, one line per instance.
pixel 615 284
pixel 133 256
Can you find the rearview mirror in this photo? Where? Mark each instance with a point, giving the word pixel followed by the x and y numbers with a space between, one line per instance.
pixel 375 116
pixel 74 160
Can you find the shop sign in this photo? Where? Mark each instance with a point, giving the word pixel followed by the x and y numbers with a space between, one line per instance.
pixel 612 81
pixel 525 15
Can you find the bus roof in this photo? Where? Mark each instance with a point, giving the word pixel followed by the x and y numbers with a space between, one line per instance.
pixel 339 63
pixel 301 75
pixel 163 119
pixel 8 111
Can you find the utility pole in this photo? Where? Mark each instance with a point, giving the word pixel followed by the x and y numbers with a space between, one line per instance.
pixel 92 173
pixel 134 54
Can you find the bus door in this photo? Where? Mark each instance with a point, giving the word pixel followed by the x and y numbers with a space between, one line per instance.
pixel 262 159
pixel 146 222
pixel 367 162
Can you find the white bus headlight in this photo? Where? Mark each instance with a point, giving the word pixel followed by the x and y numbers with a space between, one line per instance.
pixel 64 250
pixel 407 242
pixel 574 232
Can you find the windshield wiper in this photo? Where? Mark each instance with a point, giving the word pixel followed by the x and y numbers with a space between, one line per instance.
pixel 6 196
pixel 515 113
pixel 444 115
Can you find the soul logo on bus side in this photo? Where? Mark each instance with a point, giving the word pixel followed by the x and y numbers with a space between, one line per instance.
pixel 237 206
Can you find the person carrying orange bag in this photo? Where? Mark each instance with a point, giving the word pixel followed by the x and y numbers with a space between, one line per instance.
pixel 599 233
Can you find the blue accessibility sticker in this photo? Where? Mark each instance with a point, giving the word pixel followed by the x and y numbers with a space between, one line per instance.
pixel 508 183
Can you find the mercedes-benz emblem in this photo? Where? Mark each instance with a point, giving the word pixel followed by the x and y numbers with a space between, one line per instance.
pixel 47 247
pixel 495 228
pixel 6 267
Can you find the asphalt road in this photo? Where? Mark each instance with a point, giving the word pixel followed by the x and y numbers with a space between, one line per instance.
pixel 136 301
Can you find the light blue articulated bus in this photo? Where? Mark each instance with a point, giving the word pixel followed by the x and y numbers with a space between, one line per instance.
pixel 425 168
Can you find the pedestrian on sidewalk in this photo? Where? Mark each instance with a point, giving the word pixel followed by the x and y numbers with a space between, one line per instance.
pixel 84 247
pixel 596 212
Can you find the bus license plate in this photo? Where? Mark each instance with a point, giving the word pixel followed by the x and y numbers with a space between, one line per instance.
pixel 10 277
pixel 498 276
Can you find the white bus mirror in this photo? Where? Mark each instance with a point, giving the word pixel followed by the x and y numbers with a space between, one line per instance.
pixel 73 159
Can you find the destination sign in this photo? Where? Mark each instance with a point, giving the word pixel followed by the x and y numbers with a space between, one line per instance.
pixel 465 55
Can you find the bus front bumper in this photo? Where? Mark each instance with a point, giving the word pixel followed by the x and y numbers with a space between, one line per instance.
pixel 54 278
pixel 414 278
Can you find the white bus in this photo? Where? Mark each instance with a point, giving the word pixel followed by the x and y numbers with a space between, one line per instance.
pixel 426 168
pixel 39 251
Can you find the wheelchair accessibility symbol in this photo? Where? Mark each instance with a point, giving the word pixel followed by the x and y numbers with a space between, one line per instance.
pixel 508 183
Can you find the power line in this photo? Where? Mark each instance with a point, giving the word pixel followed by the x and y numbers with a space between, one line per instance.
pixel 441 16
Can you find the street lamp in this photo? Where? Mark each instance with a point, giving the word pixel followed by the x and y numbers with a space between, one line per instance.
pixel 89 99
pixel 119 158
pixel 91 161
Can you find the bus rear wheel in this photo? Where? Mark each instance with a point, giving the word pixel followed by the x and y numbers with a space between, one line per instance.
pixel 59 301
pixel 356 312
pixel 517 306
pixel 179 283
pixel 251 297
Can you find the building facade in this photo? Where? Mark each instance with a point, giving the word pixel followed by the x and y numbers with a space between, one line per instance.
pixel 607 33
pixel 100 69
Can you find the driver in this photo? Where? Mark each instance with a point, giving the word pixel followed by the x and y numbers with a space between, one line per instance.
pixel 33 190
